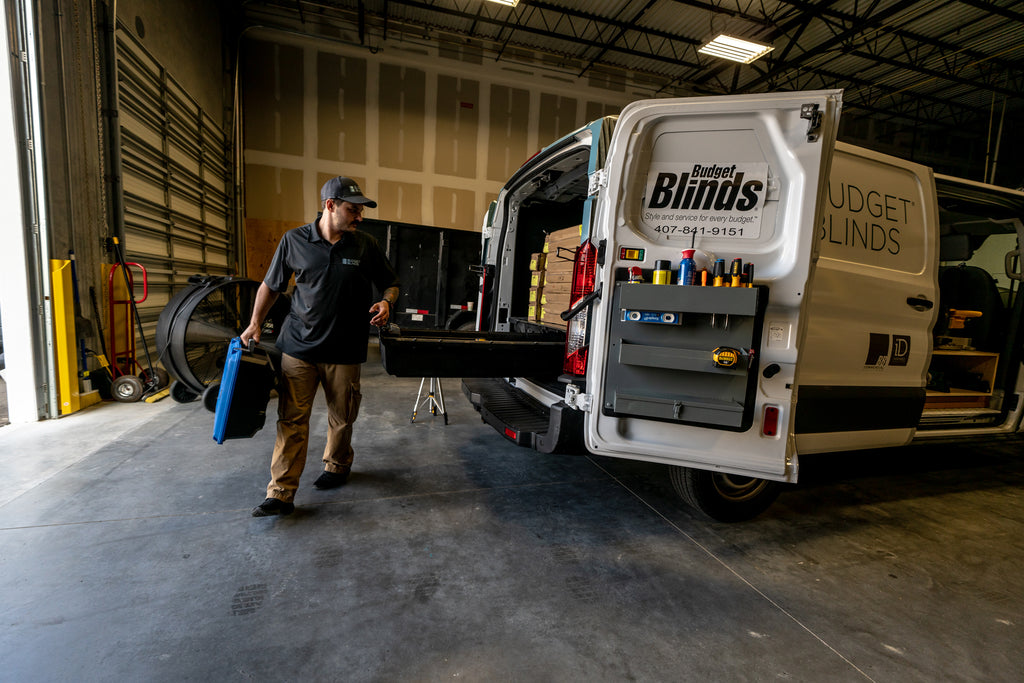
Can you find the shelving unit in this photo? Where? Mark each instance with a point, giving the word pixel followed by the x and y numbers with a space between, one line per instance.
pixel 663 368
pixel 957 363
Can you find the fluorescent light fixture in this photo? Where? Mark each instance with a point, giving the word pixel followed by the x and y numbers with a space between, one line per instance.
pixel 736 49
pixel 510 3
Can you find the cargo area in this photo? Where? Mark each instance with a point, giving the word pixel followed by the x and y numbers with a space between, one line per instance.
pixel 976 352
pixel 537 231
pixel 521 332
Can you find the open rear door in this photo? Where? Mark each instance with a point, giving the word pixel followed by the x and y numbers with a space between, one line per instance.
pixel 702 376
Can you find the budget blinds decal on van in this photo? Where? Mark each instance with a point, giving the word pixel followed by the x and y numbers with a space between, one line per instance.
pixel 706 198
pixel 873 215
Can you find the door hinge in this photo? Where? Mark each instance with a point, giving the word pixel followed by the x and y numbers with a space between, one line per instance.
pixel 574 399
pixel 813 116
pixel 597 182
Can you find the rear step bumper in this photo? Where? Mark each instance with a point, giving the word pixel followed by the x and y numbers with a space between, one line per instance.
pixel 524 420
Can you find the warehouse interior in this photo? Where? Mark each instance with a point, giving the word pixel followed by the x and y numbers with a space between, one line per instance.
pixel 155 143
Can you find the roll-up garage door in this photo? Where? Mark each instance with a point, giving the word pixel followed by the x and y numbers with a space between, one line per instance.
pixel 176 179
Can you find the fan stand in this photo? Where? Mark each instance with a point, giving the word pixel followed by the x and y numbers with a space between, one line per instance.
pixel 436 403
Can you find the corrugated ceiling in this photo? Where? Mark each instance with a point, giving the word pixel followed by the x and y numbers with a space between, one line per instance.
pixel 937 65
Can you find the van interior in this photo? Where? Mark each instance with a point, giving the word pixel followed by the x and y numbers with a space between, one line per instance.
pixel 976 351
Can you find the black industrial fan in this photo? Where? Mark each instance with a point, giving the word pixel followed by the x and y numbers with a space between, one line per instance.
pixel 195 327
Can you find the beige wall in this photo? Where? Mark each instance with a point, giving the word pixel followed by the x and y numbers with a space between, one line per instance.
pixel 430 136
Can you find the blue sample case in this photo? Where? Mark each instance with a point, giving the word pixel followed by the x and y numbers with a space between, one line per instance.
pixel 245 387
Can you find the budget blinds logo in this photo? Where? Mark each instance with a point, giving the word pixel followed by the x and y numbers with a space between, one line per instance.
pixel 886 350
pixel 713 198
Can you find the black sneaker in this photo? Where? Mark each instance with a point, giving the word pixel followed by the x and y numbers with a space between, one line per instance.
pixel 331 480
pixel 273 506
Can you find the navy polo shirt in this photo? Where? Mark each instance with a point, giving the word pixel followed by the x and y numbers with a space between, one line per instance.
pixel 329 317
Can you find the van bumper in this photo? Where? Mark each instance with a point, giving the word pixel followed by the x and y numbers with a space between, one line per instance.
pixel 524 420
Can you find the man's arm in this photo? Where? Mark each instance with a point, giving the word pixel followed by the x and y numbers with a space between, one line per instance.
pixel 382 309
pixel 265 298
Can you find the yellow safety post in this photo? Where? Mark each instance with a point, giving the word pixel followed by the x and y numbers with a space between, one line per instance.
pixel 64 336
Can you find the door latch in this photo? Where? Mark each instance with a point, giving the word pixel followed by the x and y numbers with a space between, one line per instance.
pixel 813 116
pixel 577 400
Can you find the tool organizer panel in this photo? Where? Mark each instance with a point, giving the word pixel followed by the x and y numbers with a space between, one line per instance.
pixel 663 363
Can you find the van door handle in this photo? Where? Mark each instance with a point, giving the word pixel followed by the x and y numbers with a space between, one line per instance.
pixel 567 315
pixel 919 303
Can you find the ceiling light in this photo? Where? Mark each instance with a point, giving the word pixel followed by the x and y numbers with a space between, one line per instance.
pixel 736 49
pixel 510 3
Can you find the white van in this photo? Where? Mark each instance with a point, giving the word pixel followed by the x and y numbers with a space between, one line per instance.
pixel 884 305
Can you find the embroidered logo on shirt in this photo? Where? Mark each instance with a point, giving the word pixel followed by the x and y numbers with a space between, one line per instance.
pixel 350 262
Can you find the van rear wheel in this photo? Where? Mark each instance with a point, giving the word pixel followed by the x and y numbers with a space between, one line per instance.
pixel 724 497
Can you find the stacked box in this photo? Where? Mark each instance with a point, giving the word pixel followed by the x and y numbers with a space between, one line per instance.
pixel 560 248
pixel 536 285
pixel 536 298
pixel 569 238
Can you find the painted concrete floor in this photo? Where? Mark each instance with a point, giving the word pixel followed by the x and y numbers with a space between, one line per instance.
pixel 127 553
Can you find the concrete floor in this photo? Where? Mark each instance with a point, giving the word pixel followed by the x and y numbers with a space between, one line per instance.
pixel 127 553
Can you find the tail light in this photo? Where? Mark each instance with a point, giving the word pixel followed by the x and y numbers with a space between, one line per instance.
pixel 770 423
pixel 584 278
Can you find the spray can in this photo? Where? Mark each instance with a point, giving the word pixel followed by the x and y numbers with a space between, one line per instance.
pixel 663 272
pixel 687 268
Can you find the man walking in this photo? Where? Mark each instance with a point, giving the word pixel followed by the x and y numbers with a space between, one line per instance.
pixel 324 337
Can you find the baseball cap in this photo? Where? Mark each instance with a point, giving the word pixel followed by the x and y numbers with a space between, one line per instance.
pixel 345 189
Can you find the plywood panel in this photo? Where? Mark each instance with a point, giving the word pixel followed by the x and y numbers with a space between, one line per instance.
pixel 341 108
pixel 261 239
pixel 506 145
pixel 402 108
pixel 557 116
pixel 400 202
pixel 273 97
pixel 273 193
pixel 458 124
pixel 454 208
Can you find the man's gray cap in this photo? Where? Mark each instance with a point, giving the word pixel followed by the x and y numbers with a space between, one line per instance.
pixel 346 190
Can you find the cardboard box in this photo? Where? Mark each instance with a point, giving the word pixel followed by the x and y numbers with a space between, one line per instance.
pixel 555 300
pixel 551 317
pixel 537 278
pixel 561 265
pixel 537 261
pixel 569 237
pixel 558 277
pixel 535 294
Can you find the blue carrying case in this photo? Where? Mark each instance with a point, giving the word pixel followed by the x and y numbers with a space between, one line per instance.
pixel 244 392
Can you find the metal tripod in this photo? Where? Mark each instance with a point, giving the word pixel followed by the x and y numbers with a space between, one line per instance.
pixel 435 402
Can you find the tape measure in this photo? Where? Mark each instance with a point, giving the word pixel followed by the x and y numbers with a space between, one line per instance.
pixel 725 357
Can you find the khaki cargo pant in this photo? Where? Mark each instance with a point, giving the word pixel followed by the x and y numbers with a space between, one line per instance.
pixel 299 381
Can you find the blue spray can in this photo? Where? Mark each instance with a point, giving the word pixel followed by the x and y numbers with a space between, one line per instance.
pixel 687 268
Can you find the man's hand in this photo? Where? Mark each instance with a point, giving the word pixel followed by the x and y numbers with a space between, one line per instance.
pixel 381 311
pixel 252 332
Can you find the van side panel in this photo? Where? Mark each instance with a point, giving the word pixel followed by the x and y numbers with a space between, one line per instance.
pixel 873 303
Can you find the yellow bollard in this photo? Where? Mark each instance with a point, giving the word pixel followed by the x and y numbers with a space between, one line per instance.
pixel 64 336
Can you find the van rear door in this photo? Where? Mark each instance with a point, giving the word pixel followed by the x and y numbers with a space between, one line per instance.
pixel 702 376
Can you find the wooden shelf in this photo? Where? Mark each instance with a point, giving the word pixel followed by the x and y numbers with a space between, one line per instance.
pixel 983 363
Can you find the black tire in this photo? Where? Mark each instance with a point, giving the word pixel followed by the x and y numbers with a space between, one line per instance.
pixel 724 497
pixel 195 327
pixel 161 375
pixel 181 393
pixel 462 320
pixel 126 389
pixel 210 395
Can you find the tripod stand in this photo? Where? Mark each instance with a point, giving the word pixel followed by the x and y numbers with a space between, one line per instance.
pixel 436 403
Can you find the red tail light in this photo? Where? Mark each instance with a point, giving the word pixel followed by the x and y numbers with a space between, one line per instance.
pixel 770 423
pixel 584 278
